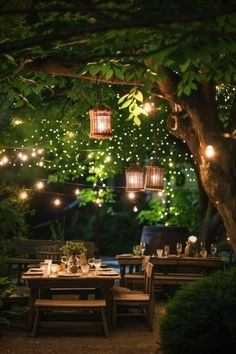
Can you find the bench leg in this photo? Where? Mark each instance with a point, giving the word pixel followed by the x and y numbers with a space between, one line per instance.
pixel 34 331
pixel 114 314
pixel 104 321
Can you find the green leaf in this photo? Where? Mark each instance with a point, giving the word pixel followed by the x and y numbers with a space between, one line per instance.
pixel 94 69
pixel 19 103
pixel 137 121
pixel 119 73
pixel 126 104
pixel 109 74
pixel 121 99
pixel 131 116
pixel 139 96
pixel 185 65
pixel 9 57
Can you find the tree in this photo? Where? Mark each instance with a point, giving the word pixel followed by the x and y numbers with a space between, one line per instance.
pixel 180 52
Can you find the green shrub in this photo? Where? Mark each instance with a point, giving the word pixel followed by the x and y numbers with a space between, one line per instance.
pixel 201 317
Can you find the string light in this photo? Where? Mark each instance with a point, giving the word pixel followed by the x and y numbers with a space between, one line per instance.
pixel 77 191
pixel 40 185
pixel 23 195
pixel 135 209
pixel 4 160
pixel 131 195
pixel 209 151
pixel 57 202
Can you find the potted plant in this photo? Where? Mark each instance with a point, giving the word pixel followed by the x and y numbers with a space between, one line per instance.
pixel 71 250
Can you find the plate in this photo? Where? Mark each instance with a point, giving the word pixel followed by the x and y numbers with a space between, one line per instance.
pixel 63 274
pixel 107 274
pixel 106 269
pixel 33 274
pixel 34 270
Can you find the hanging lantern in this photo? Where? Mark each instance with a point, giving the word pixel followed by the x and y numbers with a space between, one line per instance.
pixel 134 176
pixel 154 178
pixel 100 123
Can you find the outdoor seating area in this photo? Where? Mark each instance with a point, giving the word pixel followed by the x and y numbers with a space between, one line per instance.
pixel 117 177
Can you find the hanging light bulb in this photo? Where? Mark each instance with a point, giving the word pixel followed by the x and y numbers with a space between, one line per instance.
pixel 209 151
pixel 100 123
pixel 57 202
pixel 23 195
pixel 135 209
pixel 77 191
pixel 131 195
pixel 134 178
pixel 40 185
pixel 154 178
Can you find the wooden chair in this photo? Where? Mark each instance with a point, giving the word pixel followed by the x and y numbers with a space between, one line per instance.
pixel 142 302
pixel 75 305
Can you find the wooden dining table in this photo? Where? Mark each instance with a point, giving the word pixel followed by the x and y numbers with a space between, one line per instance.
pixel 170 265
pixel 41 285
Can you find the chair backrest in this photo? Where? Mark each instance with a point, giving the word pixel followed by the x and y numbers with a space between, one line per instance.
pixel 148 278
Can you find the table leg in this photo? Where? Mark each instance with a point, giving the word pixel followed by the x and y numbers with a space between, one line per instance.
pixel 34 294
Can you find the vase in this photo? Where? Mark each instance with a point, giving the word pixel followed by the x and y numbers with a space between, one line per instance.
pixel 72 266
pixel 189 250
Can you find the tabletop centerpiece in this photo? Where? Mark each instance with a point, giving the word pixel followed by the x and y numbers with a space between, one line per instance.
pixel 190 248
pixel 73 250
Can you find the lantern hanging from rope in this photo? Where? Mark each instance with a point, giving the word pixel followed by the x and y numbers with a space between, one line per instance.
pixel 154 178
pixel 134 176
pixel 100 123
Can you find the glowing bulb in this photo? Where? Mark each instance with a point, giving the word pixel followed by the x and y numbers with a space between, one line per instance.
pixel 57 202
pixel 108 159
pixel 33 154
pixel 148 106
pixel 22 157
pixel 70 134
pixel 209 151
pixel 135 209
pixel 23 195
pixel 131 195
pixel 171 164
pixel 160 194
pixel 98 201
pixel 40 185
pixel 40 151
pixel 90 156
pixel 77 191
pixel 41 163
pixel 4 160
pixel 17 121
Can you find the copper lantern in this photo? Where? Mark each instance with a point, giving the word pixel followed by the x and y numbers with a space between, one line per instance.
pixel 134 176
pixel 154 178
pixel 100 123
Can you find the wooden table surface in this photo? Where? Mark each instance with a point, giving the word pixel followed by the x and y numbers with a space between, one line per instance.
pixel 171 264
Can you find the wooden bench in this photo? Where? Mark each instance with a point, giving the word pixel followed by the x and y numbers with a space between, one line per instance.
pixel 135 281
pixel 55 305
pixel 28 252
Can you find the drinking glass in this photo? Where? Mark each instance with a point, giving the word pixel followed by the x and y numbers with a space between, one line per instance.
pixel 166 250
pixel 203 252
pixel 213 249
pixel 91 262
pixel 97 264
pixel 159 252
pixel 179 248
pixel 142 247
pixel 85 268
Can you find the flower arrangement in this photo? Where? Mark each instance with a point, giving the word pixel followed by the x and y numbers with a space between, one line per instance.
pixel 73 248
pixel 190 248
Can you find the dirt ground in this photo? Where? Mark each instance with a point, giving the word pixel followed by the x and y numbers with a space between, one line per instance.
pixel 130 336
